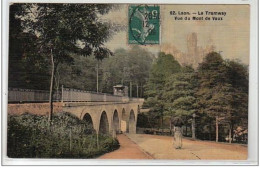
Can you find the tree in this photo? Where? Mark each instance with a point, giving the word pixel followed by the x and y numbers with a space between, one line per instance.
pixel 212 79
pixel 223 92
pixel 27 68
pixel 238 78
pixel 126 66
pixel 62 29
pixel 179 96
pixel 80 74
pixel 219 106
pixel 162 68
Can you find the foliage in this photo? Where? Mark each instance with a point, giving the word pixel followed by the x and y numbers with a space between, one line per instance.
pixel 62 29
pixel 216 91
pixel 121 68
pixel 238 79
pixel 179 93
pixel 162 68
pixel 27 68
pixel 38 31
pixel 30 136
pixel 68 28
pixel 126 66
pixel 222 92
pixel 81 74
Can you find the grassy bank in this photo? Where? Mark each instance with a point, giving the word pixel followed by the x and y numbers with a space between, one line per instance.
pixel 31 136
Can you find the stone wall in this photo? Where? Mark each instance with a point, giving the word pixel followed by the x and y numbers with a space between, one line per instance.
pixel 33 108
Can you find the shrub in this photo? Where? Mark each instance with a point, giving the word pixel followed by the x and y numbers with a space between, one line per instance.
pixel 31 136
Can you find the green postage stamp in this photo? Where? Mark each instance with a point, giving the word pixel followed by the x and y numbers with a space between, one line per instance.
pixel 144 24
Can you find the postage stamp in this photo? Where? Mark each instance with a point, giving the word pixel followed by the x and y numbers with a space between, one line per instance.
pixel 144 24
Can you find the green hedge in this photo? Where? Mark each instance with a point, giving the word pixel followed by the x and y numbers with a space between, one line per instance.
pixel 31 136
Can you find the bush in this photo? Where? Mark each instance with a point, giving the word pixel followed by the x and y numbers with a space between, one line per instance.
pixel 31 136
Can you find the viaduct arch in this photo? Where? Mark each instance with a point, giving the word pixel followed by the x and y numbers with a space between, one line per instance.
pixel 132 127
pixel 87 118
pixel 116 122
pixel 107 118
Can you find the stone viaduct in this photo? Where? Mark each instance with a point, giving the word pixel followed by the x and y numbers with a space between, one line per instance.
pixel 108 117
pixel 108 114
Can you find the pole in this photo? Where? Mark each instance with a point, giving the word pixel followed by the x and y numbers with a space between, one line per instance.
pixel 193 126
pixel 216 128
pixel 170 128
pixel 51 89
pixel 141 93
pixel 137 90
pixel 61 93
pixel 97 76
pixel 122 81
pixel 229 135
pixel 130 89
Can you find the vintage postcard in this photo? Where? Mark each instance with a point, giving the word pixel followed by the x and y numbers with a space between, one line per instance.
pixel 99 81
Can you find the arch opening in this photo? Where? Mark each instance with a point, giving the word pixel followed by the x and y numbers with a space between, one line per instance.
pixel 89 124
pixel 124 116
pixel 124 123
pixel 103 126
pixel 132 128
pixel 116 122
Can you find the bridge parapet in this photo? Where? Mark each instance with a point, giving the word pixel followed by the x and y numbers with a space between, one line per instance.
pixel 16 95
pixel 73 95
pixel 136 99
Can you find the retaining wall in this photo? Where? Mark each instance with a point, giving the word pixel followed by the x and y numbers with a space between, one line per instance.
pixel 33 108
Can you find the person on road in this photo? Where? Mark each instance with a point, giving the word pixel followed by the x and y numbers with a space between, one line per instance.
pixel 177 122
pixel 177 138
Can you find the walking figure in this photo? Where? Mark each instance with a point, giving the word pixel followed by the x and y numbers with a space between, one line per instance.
pixel 177 137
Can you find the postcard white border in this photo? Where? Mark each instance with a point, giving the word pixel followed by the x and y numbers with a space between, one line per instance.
pixel 253 142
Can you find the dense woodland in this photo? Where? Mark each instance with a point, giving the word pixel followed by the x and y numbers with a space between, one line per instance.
pixel 215 94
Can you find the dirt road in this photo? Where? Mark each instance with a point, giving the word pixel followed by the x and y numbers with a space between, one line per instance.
pixel 161 147
pixel 128 150
pixel 142 146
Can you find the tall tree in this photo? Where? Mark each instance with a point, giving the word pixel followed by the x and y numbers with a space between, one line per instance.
pixel 238 79
pixel 164 66
pixel 223 92
pixel 15 47
pixel 62 29
pixel 179 96
pixel 212 78
pixel 27 68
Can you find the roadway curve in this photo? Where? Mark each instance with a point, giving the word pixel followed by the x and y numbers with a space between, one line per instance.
pixel 128 150
pixel 142 146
